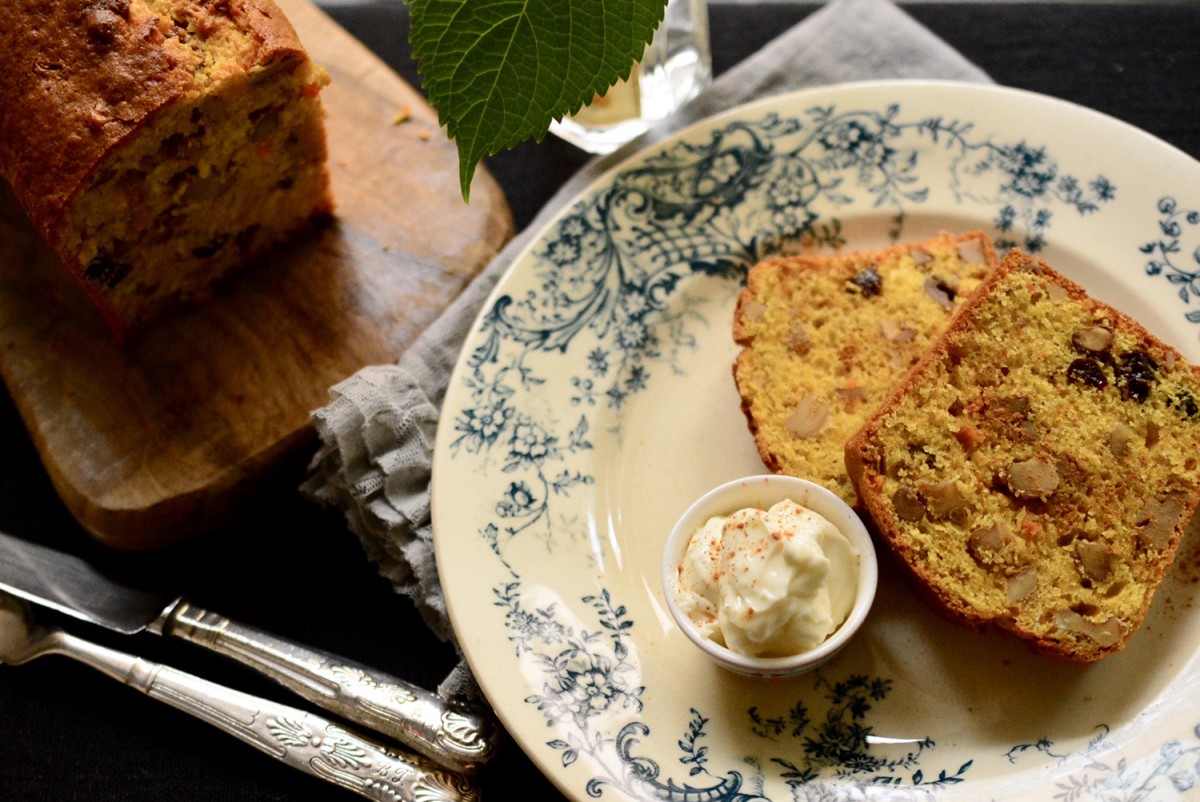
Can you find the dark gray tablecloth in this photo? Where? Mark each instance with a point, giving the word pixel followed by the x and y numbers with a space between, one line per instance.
pixel 70 734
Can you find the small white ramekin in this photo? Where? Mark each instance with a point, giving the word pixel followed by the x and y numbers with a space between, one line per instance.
pixel 762 492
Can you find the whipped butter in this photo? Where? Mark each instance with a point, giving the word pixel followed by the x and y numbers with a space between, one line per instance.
pixel 768 583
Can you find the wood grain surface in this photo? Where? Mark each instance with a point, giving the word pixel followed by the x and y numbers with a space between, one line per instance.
pixel 159 440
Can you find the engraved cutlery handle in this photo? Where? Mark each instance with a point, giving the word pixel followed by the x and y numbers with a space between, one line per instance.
pixel 459 736
pixel 295 737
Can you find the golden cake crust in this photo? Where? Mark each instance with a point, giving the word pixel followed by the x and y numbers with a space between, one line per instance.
pixel 93 71
pixel 825 338
pixel 1037 468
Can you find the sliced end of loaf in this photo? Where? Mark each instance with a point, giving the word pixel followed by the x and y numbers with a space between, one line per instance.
pixel 208 184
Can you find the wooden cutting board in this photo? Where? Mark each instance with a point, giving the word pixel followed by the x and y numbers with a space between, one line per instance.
pixel 158 440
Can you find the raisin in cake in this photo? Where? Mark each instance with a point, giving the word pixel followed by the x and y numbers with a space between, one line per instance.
pixel 158 145
pixel 825 339
pixel 1037 468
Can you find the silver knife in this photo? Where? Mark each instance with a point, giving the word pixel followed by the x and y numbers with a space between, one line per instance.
pixel 456 735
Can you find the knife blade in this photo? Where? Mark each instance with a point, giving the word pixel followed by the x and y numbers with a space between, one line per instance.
pixel 457 735
pixel 67 584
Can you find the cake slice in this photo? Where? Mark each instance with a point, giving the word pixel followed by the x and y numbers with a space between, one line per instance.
pixel 159 145
pixel 825 338
pixel 1037 468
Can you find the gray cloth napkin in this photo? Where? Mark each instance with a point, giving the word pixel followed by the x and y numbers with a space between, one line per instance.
pixel 378 431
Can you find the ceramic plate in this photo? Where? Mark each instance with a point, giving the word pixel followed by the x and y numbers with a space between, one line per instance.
pixel 594 401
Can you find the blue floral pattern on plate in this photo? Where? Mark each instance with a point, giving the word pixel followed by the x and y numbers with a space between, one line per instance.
pixel 601 312
pixel 1179 229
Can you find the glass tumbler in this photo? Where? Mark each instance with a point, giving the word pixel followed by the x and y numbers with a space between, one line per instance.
pixel 677 64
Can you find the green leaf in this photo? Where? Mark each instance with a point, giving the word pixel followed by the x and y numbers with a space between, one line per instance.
pixel 499 71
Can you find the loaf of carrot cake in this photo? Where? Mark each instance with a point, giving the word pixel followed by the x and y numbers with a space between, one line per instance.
pixel 825 338
pixel 1037 468
pixel 158 145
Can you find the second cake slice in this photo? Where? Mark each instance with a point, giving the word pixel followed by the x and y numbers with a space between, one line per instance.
pixel 1036 470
